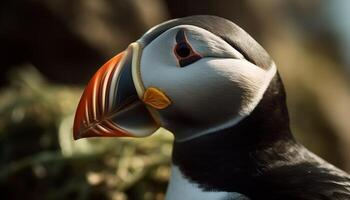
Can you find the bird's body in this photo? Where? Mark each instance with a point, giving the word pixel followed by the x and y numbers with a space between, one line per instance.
pixel 301 176
pixel 218 91
pixel 264 160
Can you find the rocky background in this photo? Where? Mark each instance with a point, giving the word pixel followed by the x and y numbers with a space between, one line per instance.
pixel 49 50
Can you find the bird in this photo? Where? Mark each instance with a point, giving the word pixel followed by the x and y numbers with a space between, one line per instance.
pixel 218 91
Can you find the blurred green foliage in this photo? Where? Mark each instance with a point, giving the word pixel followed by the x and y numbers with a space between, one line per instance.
pixel 40 160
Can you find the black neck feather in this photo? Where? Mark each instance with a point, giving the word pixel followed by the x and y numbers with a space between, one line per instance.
pixel 227 159
pixel 259 158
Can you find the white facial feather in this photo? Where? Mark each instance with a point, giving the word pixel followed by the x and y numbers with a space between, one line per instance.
pixel 210 94
pixel 210 45
pixel 254 81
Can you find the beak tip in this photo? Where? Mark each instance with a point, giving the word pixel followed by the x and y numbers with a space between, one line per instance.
pixel 77 126
pixel 76 134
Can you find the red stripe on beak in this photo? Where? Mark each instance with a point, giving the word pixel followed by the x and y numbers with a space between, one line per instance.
pixel 93 115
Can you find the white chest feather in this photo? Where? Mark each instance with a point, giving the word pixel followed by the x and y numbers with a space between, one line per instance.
pixel 181 188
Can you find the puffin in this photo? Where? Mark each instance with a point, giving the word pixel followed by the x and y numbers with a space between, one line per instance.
pixel 209 83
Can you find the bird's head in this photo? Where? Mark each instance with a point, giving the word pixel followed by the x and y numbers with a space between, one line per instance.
pixel 191 76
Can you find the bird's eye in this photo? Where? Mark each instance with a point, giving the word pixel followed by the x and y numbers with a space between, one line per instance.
pixel 183 50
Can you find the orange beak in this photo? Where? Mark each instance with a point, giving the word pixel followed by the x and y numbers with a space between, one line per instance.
pixel 110 105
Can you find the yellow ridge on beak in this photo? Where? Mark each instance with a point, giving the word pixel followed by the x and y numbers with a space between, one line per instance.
pixel 156 98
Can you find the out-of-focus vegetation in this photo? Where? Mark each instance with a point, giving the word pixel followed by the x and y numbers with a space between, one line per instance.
pixel 40 160
pixel 65 41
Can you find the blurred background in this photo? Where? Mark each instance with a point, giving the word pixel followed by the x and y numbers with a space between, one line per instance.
pixel 50 49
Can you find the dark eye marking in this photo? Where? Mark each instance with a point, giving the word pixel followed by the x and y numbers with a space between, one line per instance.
pixel 183 50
